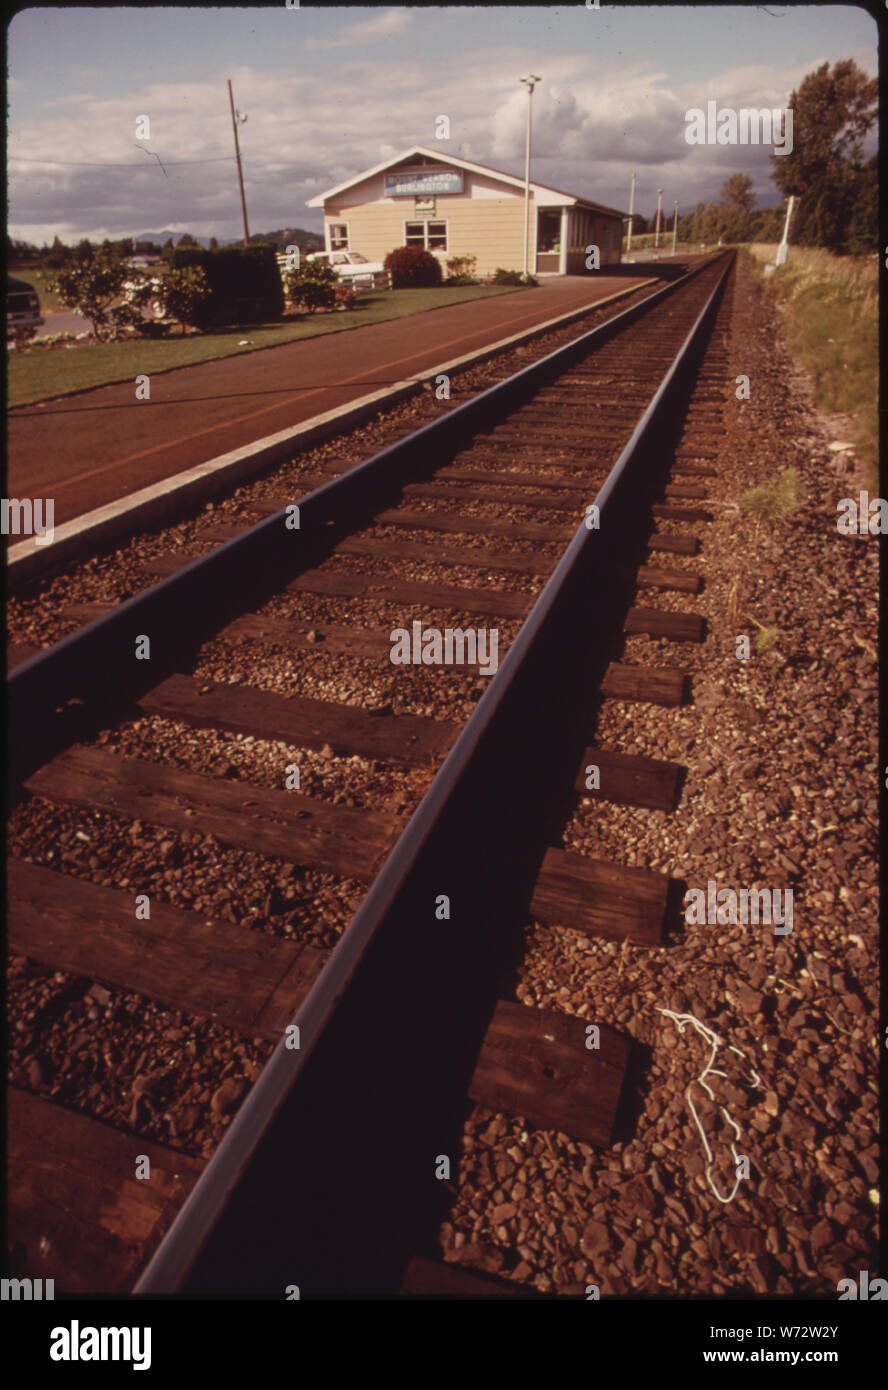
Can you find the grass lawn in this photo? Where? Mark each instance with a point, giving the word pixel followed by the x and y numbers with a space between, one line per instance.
pixel 39 375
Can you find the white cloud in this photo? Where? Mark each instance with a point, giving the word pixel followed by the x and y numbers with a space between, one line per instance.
pixel 307 131
pixel 388 25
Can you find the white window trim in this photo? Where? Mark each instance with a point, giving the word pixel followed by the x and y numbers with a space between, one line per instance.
pixel 328 231
pixel 425 222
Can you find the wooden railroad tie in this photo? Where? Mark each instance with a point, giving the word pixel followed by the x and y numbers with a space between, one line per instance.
pixel 71 1182
pixel 593 896
pixel 490 603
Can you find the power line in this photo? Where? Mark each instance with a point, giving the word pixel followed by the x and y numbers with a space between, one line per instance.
pixel 80 164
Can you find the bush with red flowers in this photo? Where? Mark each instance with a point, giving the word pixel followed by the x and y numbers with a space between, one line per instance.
pixel 412 268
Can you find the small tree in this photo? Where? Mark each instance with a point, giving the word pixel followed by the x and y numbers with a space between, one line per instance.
pixel 184 291
pixel 90 288
pixel 177 293
pixel 312 286
pixel 59 255
pixel 411 267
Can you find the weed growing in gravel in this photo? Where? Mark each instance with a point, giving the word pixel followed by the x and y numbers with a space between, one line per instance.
pixel 737 615
pixel 765 638
pixel 776 500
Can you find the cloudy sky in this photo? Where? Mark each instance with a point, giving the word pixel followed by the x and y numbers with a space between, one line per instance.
pixel 330 92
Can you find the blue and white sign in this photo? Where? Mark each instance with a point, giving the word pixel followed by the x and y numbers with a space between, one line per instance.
pixel 424 182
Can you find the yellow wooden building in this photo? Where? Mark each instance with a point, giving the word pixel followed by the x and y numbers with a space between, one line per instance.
pixel 454 207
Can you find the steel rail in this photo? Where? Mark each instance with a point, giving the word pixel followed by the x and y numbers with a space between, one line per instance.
pixel 47 694
pixel 279 1081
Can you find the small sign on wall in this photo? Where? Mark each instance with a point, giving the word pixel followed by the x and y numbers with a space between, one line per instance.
pixel 424 207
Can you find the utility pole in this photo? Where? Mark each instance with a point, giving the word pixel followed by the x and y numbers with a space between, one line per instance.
pixel 783 248
pixel 531 81
pixel 659 210
pixel 631 212
pixel 674 226
pixel 235 117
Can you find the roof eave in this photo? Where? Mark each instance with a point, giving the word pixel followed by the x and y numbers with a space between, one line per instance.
pixel 570 199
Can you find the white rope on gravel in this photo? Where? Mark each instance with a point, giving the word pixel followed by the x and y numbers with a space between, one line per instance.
pixel 715 1042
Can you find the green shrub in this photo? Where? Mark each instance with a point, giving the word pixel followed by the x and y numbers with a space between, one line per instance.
pixel 313 286
pixel 511 277
pixel 345 297
pixel 461 270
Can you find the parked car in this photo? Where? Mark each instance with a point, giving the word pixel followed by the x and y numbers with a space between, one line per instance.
pixel 22 306
pixel 354 269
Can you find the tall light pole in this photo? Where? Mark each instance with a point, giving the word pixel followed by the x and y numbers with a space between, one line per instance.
pixel 659 210
pixel 235 117
pixel 674 225
pixel 631 212
pixel 531 82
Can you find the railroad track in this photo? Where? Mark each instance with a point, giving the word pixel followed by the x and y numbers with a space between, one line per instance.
pixel 339 1165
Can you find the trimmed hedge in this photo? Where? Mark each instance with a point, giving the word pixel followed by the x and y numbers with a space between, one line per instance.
pixel 245 283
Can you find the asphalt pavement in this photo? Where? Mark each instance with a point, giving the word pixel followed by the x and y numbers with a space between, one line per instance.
pixel 98 446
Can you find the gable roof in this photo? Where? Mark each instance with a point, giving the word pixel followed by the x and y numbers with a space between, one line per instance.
pixel 437 157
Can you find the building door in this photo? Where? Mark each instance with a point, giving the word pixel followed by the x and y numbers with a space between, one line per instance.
pixel 548 261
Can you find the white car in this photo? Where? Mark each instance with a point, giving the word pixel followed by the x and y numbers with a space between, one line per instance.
pixel 353 268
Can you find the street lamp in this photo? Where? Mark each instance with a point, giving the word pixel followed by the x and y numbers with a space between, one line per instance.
pixel 631 212
pixel 674 225
pixel 659 210
pixel 531 82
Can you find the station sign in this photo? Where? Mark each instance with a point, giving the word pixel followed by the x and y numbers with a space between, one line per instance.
pixel 424 182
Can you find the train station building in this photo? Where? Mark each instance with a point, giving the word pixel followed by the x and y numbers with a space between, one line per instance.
pixel 454 207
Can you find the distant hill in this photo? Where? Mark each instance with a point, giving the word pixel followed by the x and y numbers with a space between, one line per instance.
pixel 292 236
pixel 287 236
pixel 161 237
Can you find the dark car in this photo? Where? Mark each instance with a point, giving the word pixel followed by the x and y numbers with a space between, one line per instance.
pixel 22 306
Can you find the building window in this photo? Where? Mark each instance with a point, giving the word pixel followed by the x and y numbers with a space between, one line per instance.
pixel 338 236
pixel 428 236
pixel 414 234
